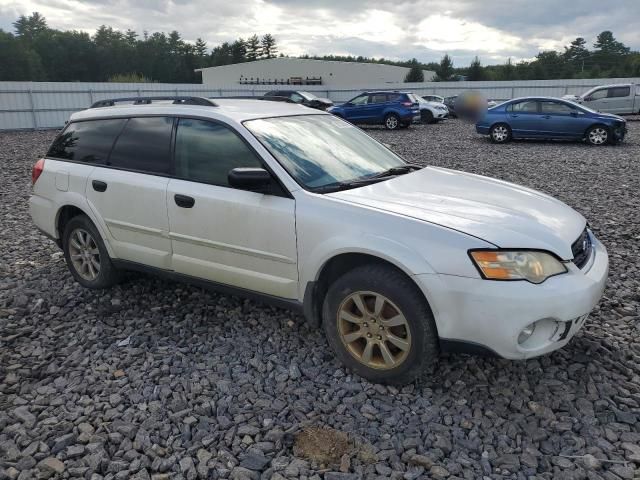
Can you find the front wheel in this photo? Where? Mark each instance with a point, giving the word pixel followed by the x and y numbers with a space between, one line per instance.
pixel 597 135
pixel 427 117
pixel 500 133
pixel 379 325
pixel 391 121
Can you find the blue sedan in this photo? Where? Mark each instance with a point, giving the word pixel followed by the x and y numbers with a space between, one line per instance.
pixel 550 118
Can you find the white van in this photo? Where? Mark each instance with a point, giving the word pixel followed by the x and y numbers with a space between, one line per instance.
pixel 620 99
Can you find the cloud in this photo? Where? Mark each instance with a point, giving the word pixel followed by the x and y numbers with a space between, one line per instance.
pixel 425 29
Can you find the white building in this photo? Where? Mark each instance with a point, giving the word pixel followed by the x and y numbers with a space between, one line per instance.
pixel 298 71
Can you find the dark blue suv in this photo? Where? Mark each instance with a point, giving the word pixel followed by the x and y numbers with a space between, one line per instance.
pixel 391 109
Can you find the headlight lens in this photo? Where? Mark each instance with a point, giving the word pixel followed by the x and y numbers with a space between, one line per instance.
pixel 532 266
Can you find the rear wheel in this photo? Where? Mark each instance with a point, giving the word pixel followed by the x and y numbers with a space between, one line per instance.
pixel 500 133
pixel 379 324
pixel 86 255
pixel 391 121
pixel 598 135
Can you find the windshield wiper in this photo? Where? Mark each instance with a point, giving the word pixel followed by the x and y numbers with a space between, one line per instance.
pixel 391 172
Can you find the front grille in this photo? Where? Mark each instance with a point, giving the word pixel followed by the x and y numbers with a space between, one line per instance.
pixel 581 249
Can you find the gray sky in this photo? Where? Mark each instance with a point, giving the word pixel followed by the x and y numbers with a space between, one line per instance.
pixel 426 29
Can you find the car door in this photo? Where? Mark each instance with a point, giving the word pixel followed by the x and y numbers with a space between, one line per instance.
pixel 598 100
pixel 619 100
pixel 524 118
pixel 376 107
pixel 234 237
pixel 354 109
pixel 129 193
pixel 561 120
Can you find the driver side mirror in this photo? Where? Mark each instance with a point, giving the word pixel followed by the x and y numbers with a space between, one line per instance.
pixel 587 99
pixel 348 104
pixel 252 179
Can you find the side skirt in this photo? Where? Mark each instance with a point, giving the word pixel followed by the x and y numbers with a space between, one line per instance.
pixel 280 302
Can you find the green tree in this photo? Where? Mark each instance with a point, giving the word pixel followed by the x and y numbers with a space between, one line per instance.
pixel 445 70
pixel 238 51
pixel 608 45
pixel 415 73
pixel 201 47
pixel 28 28
pixel 253 48
pixel 577 53
pixel 475 71
pixel 268 46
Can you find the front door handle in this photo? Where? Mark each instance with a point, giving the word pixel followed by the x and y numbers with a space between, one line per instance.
pixel 184 201
pixel 99 185
pixel 546 116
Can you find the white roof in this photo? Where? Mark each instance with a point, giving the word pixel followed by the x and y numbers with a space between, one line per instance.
pixel 238 110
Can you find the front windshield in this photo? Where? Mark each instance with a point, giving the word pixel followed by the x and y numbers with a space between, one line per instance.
pixel 579 106
pixel 320 150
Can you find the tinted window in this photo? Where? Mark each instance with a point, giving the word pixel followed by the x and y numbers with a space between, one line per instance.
pixel 556 108
pixel 530 106
pixel 206 152
pixel 144 145
pixel 361 100
pixel 620 92
pixel 88 141
pixel 378 98
pixel 395 97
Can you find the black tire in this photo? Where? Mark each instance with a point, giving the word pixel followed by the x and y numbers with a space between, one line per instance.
pixel 427 116
pixel 500 133
pixel 392 121
pixel 598 135
pixel 106 273
pixel 405 295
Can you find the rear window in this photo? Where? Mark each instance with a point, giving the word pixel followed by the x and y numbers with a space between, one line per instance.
pixel 144 145
pixel 89 141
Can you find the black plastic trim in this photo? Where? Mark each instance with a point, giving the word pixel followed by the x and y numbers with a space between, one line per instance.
pixel 463 346
pixel 309 305
pixel 280 302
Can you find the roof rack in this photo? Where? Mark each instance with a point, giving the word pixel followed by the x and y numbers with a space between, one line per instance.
pixel 249 97
pixel 177 100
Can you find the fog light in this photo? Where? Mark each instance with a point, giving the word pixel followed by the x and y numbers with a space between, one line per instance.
pixel 526 333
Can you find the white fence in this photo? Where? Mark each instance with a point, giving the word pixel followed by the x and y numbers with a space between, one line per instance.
pixel 38 105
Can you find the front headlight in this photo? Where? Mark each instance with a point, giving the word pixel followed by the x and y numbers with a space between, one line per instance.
pixel 529 265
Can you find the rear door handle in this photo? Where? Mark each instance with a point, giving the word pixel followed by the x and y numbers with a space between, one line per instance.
pixel 184 201
pixel 99 185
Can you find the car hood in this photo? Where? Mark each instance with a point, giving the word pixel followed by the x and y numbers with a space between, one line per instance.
pixel 504 214
pixel 323 100
pixel 609 116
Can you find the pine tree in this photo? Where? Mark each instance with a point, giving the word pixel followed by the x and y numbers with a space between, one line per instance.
pixel 475 71
pixel 29 28
pixel 253 48
pixel 269 48
pixel 201 47
pixel 415 74
pixel 444 72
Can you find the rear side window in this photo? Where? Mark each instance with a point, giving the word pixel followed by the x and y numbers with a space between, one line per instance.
pixel 88 141
pixel 206 152
pixel 530 106
pixel 619 92
pixel 395 97
pixel 378 98
pixel 144 145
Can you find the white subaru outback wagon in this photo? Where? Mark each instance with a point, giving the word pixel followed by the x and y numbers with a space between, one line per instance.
pixel 300 208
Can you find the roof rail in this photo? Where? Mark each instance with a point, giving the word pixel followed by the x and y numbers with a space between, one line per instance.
pixel 177 100
pixel 249 97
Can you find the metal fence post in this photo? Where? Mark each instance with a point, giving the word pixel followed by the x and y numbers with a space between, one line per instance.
pixel 91 101
pixel 32 106
pixel 513 92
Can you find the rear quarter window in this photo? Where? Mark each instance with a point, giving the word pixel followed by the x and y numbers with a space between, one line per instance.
pixel 88 141
pixel 619 92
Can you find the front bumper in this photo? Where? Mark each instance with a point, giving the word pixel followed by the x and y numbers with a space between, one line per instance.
pixel 490 315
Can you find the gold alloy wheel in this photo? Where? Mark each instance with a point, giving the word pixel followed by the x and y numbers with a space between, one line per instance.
pixel 374 330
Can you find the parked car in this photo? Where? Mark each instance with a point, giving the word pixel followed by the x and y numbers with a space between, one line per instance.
pixel 304 98
pixel 301 209
pixel 391 109
pixel 550 118
pixel 450 103
pixel 432 112
pixel 433 98
pixel 621 99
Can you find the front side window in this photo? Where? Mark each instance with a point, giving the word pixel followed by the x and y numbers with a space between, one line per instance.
pixel 318 150
pixel 89 141
pixel 619 92
pixel 556 108
pixel 144 145
pixel 206 152
pixel 599 94
pixel 530 106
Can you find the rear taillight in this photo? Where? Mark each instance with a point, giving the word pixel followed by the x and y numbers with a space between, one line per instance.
pixel 37 171
pixel 407 104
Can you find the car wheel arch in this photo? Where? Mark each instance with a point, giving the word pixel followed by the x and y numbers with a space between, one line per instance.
pixel 67 211
pixel 315 290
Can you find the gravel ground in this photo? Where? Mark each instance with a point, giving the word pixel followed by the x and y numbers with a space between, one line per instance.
pixel 155 379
